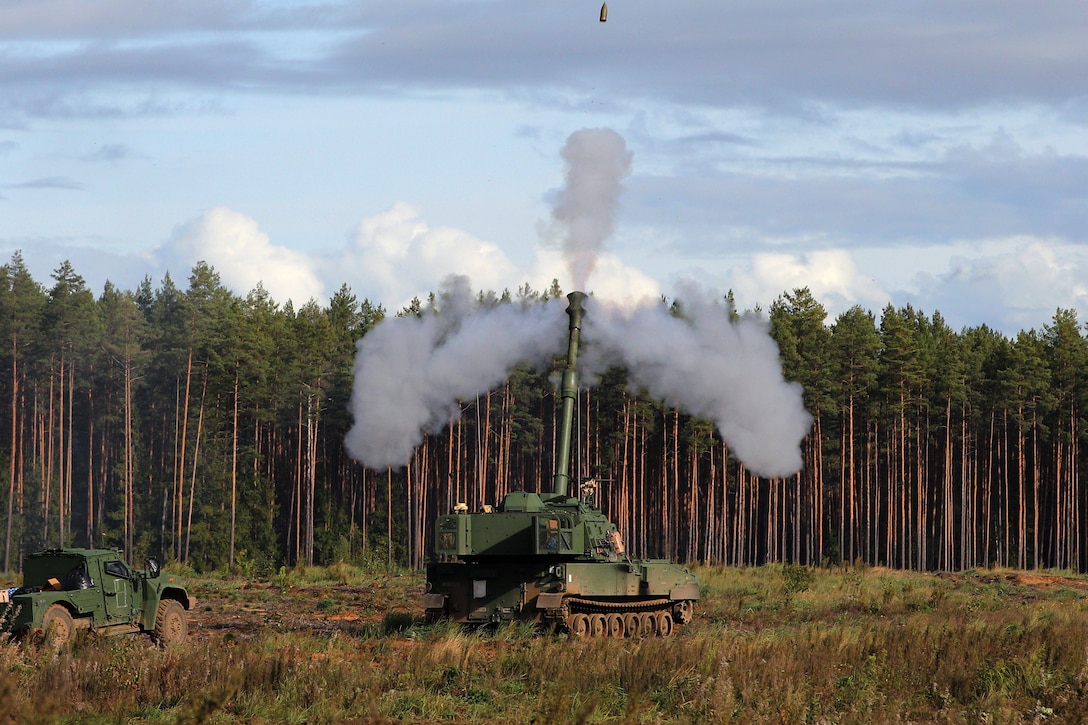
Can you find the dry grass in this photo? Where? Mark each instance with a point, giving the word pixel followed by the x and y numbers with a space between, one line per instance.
pixel 770 644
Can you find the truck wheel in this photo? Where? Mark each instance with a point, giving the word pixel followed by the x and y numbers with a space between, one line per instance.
pixel 171 626
pixel 57 625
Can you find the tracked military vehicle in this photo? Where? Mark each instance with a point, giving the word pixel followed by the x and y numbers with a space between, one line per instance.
pixel 553 558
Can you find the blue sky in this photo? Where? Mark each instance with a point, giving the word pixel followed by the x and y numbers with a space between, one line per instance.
pixel 927 153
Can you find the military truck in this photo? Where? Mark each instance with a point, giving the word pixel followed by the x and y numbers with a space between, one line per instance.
pixel 553 558
pixel 65 590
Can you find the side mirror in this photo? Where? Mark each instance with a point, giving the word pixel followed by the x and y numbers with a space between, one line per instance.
pixel 153 568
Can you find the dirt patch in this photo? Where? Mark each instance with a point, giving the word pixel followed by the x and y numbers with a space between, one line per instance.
pixel 1022 587
pixel 1048 581
pixel 227 610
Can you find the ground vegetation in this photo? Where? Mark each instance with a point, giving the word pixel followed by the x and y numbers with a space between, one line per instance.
pixel 775 643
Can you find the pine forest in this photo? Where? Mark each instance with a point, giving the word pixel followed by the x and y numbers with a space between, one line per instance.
pixel 206 428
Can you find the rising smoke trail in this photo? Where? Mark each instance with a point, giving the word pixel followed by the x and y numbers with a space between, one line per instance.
pixel 411 372
pixel 597 162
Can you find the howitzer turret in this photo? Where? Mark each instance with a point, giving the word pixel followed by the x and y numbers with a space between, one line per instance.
pixel 553 558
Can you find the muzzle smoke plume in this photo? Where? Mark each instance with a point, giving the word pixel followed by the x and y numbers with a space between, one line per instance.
pixel 597 161
pixel 410 372
pixel 708 366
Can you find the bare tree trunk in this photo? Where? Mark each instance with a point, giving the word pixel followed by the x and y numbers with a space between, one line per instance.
pixel 312 423
pixel 389 517
pixel 502 452
pixel 814 547
pixel 920 467
pixel 48 439
pixel 298 487
pixel 675 504
pixel 627 495
pixel 740 529
pixel 181 465
pixel 1022 494
pixel 66 526
pixel 452 484
pixel 1074 491
pixel 15 452
pixel 196 460
pixel 62 448
pixel 1057 534
pixel 1035 475
pixel 973 466
pixel 364 509
pixel 872 484
pixel 463 486
pixel 130 517
pixel 946 488
pixel 640 483
pixel 90 469
pixel 234 475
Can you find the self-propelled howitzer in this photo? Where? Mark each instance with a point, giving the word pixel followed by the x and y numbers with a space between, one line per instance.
pixel 553 558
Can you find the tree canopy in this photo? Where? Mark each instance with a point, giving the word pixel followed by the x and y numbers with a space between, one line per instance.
pixel 208 428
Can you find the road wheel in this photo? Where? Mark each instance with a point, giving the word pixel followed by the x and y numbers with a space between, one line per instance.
pixel 647 624
pixel 614 625
pixel 57 625
pixel 664 624
pixel 597 626
pixel 578 625
pixel 171 625
pixel 630 624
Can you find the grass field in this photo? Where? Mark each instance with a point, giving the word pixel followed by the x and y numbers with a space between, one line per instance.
pixel 769 644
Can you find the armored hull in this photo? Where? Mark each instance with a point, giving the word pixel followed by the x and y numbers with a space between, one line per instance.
pixel 552 558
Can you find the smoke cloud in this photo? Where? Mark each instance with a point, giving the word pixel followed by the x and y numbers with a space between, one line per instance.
pixel 709 366
pixel 597 161
pixel 410 372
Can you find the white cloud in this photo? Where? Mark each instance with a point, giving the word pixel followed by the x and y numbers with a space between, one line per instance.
pixel 396 255
pixel 611 280
pixel 1021 281
pixel 827 273
pixel 832 275
pixel 244 257
pixel 390 258
pixel 1010 284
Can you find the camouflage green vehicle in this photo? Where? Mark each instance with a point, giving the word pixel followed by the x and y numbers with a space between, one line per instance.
pixel 65 590
pixel 553 558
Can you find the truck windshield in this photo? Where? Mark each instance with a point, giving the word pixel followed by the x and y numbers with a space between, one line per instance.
pixel 117 568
